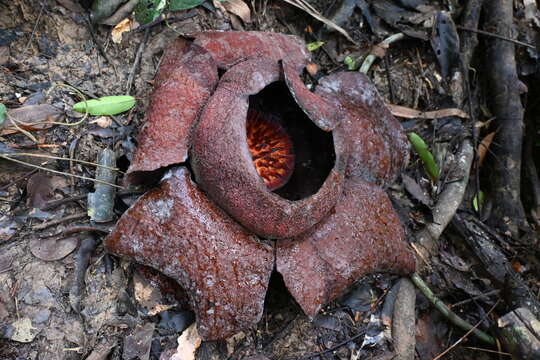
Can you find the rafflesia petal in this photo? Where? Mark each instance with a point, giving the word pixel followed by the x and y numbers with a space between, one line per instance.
pixel 379 149
pixel 178 231
pixel 229 48
pixel 186 79
pixel 223 167
pixel 362 235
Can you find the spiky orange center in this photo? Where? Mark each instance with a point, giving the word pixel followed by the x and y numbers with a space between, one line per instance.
pixel 271 149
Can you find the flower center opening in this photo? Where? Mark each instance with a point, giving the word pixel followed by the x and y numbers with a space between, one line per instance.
pixel 290 153
pixel 271 149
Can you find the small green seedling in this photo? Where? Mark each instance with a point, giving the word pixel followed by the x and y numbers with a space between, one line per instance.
pixel 425 155
pixel 3 112
pixel 108 105
pixel 351 64
pixel 478 201
pixel 315 45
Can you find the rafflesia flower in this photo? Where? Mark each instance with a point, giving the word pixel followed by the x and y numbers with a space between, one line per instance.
pixel 262 173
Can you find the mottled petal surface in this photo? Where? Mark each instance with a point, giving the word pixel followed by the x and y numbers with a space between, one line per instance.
pixel 379 148
pixel 228 48
pixel 320 111
pixel 224 169
pixel 186 78
pixel 224 269
pixel 362 235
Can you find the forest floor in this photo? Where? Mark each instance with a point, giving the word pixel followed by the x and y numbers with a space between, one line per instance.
pixel 48 57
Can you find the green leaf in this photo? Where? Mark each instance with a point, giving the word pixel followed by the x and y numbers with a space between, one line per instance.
pixel 351 64
pixel 3 111
pixel 147 10
pixel 315 45
pixel 108 105
pixel 425 155
pixel 184 4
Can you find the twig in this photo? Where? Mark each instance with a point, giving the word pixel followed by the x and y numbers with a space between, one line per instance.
pixel 448 203
pixel 497 36
pixel 60 158
pixel 486 295
pixel 370 59
pixel 467 333
pixel 59 221
pixel 18 179
pixel 58 172
pixel 55 203
pixel 137 60
pixel 446 312
pixel 34 29
pixel 80 228
pixel 304 5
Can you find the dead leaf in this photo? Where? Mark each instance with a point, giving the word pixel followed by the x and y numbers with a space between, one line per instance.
pixel 137 345
pixel 21 331
pixel 71 5
pixel 408 113
pixel 236 7
pixel 40 188
pixel 4 55
pixel 102 121
pixel 148 296
pixel 120 28
pixel 188 343
pixel 379 50
pixel 415 190
pixel 53 249
pixel 31 117
pixel 483 147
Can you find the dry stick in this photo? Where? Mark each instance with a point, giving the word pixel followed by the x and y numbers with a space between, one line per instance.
pixel 467 333
pixel 137 60
pixel 486 295
pixel 446 312
pixel 59 221
pixel 18 179
pixel 58 172
pixel 370 59
pixel 447 205
pixel 497 36
pixel 59 158
pixel 34 28
pixel 303 5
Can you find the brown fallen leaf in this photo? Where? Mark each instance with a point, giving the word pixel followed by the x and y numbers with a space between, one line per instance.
pixel 120 28
pixel 31 117
pixel 4 55
pixel 53 249
pixel 40 188
pixel 188 343
pixel 483 147
pixel 408 113
pixel 236 7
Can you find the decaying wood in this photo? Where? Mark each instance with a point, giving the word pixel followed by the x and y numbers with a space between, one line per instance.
pixel 514 289
pixel 505 88
pixel 404 321
pixel 520 334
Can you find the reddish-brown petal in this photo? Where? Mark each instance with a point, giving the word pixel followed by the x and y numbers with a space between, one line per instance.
pixel 224 269
pixel 322 112
pixel 224 169
pixel 186 78
pixel 361 236
pixel 379 148
pixel 229 48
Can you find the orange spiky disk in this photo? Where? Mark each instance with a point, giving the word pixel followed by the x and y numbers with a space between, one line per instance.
pixel 271 149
